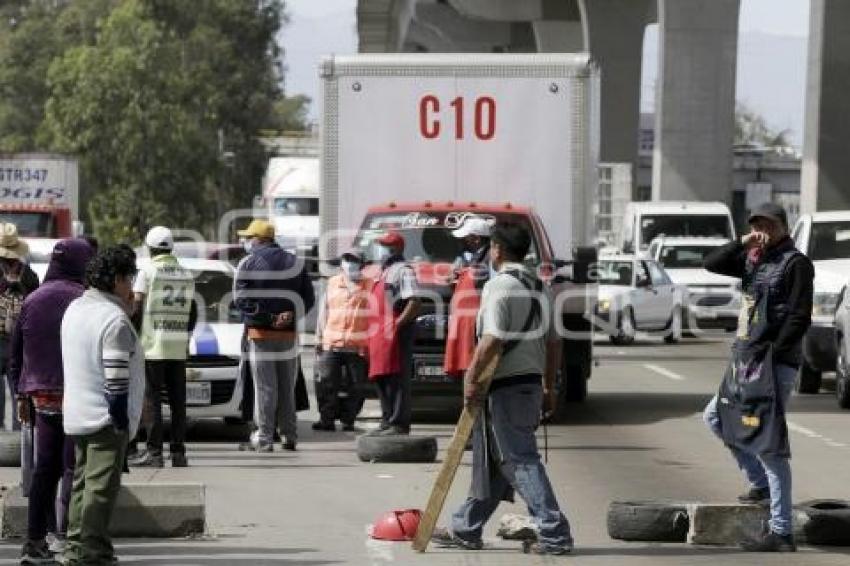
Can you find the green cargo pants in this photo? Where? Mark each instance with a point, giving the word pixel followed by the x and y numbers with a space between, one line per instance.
pixel 97 479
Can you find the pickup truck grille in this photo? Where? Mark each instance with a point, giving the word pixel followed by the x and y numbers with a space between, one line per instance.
pixel 714 300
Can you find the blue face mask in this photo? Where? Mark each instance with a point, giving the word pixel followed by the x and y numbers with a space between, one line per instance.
pixel 381 253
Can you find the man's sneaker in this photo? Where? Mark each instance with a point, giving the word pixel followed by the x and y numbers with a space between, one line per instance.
pixel 148 460
pixel 289 445
pixel 36 552
pixel 444 538
pixel 55 543
pixel 348 427
pixel 755 496
pixel 252 447
pixel 534 547
pixel 377 431
pixel 770 542
pixel 323 426
pixel 179 460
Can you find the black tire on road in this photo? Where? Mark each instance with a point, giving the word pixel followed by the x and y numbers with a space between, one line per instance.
pixel 808 379
pixel 10 449
pixel 648 521
pixel 397 448
pixel 829 522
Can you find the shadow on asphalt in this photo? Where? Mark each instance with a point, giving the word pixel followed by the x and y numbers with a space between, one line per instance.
pixel 634 408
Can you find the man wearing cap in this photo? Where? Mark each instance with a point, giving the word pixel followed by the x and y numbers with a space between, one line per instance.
pixel 341 337
pixel 776 311
pixel 273 292
pixel 18 280
pixel 473 270
pixel 391 324
pixel 164 299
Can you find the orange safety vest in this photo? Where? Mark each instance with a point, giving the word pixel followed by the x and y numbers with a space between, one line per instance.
pixel 463 311
pixel 346 314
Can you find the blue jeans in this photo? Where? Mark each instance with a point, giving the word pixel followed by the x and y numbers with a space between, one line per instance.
pixel 773 472
pixel 514 416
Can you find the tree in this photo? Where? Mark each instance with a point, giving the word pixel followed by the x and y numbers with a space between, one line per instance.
pixel 162 101
pixel 752 129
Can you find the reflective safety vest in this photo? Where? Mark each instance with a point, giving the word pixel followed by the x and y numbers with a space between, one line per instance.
pixel 168 302
pixel 346 314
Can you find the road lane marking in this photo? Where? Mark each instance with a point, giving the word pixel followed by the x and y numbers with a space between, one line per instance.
pixel 799 429
pixel 664 371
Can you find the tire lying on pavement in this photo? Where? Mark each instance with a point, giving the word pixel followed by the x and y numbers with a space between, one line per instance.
pixel 648 521
pixel 828 522
pixel 397 448
pixel 10 448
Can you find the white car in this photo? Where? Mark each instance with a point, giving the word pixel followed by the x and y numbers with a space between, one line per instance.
pixel 711 300
pixel 825 238
pixel 635 294
pixel 213 386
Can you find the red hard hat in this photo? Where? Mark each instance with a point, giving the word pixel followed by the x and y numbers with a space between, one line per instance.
pixel 397 525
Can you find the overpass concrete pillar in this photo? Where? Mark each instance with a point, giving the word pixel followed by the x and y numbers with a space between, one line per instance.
pixel 826 175
pixel 695 99
pixel 615 30
pixel 558 36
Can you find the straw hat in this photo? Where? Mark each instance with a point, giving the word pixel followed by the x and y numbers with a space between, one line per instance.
pixel 11 246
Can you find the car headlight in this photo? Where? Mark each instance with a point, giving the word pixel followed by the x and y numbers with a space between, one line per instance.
pixel 604 305
pixel 825 304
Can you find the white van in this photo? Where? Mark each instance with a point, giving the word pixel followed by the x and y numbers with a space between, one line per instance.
pixel 645 221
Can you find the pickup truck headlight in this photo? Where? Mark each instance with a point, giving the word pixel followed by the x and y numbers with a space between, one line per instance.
pixel 603 305
pixel 825 304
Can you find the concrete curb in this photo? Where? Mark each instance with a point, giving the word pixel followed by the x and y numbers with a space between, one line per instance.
pixel 150 510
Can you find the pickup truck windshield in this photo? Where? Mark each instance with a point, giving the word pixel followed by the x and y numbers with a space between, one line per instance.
pixel 428 235
pixel 684 257
pixel 30 224
pixel 705 225
pixel 830 240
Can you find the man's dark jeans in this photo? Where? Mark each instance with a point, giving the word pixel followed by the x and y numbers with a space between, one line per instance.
pixel 336 380
pixel 171 375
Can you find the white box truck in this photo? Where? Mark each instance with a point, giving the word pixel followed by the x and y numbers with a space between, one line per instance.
pixel 417 142
pixel 291 197
pixel 39 193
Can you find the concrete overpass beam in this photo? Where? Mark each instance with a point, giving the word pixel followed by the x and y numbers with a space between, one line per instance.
pixel 558 36
pixel 615 39
pixel 499 10
pixel 826 176
pixel 439 28
pixel 695 99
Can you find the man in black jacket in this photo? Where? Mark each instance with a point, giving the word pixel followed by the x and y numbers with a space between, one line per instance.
pixel 776 310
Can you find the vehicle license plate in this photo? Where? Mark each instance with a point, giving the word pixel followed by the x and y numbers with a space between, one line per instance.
pixel 199 393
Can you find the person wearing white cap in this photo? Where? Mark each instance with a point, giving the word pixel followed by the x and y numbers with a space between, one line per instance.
pixel 164 297
pixel 475 233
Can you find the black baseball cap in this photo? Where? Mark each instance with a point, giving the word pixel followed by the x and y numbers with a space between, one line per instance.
pixel 771 211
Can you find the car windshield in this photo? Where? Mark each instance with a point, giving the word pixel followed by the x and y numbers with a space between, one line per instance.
pixel 428 235
pixel 703 226
pixel 615 273
pixel 684 257
pixel 214 293
pixel 830 240
pixel 296 206
pixel 30 224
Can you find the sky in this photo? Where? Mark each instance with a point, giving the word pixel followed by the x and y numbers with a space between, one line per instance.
pixel 771 54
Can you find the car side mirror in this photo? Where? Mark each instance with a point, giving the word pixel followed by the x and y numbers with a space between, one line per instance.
pixel 644 283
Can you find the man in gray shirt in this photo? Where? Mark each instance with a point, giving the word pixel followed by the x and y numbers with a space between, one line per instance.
pixel 515 321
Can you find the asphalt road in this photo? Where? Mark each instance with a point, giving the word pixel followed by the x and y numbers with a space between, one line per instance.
pixel 639 436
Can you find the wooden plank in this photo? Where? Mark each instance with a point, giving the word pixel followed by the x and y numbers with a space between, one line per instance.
pixel 454 454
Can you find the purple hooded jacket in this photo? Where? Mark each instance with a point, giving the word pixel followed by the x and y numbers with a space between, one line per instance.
pixel 35 361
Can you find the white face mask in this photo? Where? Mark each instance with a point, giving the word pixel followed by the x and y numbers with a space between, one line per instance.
pixel 351 270
pixel 381 253
pixel 248 245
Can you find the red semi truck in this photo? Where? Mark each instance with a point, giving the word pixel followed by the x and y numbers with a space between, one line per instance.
pixel 39 193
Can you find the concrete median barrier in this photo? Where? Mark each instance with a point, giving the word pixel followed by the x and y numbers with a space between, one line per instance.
pixel 401 448
pixel 726 525
pixel 10 448
pixel 151 510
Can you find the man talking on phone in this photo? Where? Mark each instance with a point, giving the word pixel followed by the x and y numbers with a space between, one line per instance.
pixel 776 310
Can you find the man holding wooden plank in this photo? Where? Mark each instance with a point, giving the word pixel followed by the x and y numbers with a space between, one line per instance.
pixel 514 324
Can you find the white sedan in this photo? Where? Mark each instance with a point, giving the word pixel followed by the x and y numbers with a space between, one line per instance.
pixel 636 294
